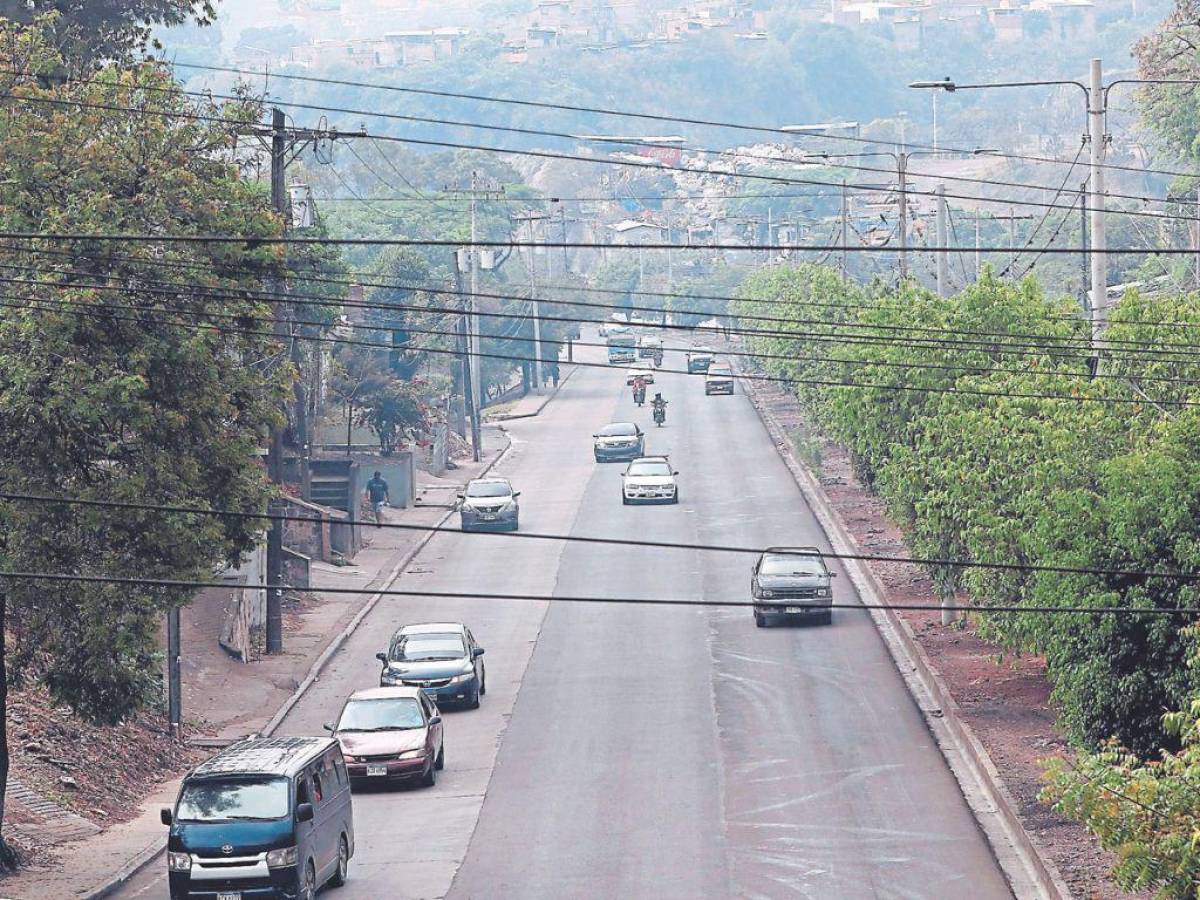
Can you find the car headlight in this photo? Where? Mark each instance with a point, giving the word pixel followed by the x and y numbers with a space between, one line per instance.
pixel 388 677
pixel 766 595
pixel 419 753
pixel 179 862
pixel 282 858
pixel 463 678
pixel 822 592
pixel 510 506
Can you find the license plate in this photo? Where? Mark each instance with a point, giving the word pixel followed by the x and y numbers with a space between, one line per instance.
pixel 488 517
pixel 371 770
pixel 230 895
pixel 797 609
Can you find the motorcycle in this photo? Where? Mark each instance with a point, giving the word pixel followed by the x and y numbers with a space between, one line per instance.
pixel 660 415
pixel 639 396
pixel 658 358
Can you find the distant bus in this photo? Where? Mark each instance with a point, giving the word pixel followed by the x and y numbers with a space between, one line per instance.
pixel 622 348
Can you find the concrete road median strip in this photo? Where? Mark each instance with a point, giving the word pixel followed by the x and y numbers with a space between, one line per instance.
pixel 1030 873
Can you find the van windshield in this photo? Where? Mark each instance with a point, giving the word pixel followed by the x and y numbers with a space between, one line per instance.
pixel 219 800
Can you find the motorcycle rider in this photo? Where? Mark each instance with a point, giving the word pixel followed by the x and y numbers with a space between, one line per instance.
pixel 639 389
pixel 660 408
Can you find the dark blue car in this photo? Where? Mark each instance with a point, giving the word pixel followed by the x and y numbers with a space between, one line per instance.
pixel 264 818
pixel 619 442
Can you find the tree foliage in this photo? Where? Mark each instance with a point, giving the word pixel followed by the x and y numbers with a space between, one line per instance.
pixel 976 461
pixel 90 31
pixel 117 380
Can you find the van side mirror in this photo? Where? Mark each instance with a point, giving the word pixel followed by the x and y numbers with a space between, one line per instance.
pixel 165 815
pixel 382 657
pixel 516 494
pixel 477 652
pixel 304 812
pixel 328 726
pixel 833 574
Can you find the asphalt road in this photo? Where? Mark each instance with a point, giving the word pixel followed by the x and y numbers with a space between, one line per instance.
pixel 654 752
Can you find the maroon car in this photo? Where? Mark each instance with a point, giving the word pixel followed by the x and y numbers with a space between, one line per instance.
pixel 390 734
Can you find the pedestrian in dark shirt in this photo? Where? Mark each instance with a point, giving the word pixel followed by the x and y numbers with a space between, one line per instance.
pixel 377 494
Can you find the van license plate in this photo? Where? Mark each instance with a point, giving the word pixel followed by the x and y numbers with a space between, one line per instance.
pixel 230 895
pixel 797 609
pixel 376 770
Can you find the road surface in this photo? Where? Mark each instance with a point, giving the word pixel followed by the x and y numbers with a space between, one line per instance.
pixel 654 752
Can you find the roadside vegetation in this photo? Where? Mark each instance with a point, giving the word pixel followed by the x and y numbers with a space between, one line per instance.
pixel 1000 447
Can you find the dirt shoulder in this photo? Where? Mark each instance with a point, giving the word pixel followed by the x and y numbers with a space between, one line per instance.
pixel 1003 698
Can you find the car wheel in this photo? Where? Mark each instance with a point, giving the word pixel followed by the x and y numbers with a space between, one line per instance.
pixel 483 683
pixel 597 455
pixel 308 888
pixel 827 619
pixel 429 779
pixel 516 526
pixel 675 499
pixel 624 499
pixel 473 703
pixel 343 864
pixel 760 620
pixel 440 762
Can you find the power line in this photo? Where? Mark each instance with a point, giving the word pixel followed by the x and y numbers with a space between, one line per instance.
pixel 1036 342
pixel 1040 342
pixel 85 308
pixel 649 116
pixel 657 166
pixel 612 601
pixel 259 240
pixel 920 389
pixel 933 562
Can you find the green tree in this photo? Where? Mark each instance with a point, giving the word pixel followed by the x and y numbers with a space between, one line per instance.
pixel 89 31
pixel 111 390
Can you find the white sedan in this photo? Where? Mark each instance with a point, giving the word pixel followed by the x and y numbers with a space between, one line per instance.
pixel 633 373
pixel 649 479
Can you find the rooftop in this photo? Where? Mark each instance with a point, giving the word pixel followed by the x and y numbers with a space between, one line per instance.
pixel 263 756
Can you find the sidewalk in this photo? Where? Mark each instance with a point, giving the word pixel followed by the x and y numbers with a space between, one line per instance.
pixel 532 403
pixel 225 699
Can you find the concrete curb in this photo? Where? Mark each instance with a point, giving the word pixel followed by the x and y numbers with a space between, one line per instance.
pixel 1041 878
pixel 561 382
pixel 156 849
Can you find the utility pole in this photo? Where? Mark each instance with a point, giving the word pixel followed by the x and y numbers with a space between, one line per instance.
pixel 174 674
pixel 943 258
pixel 1096 138
pixel 901 171
pixel 473 343
pixel 845 228
pixel 1196 238
pixel 537 313
pixel 466 359
pixel 978 257
pixel 1083 246
pixel 275 465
